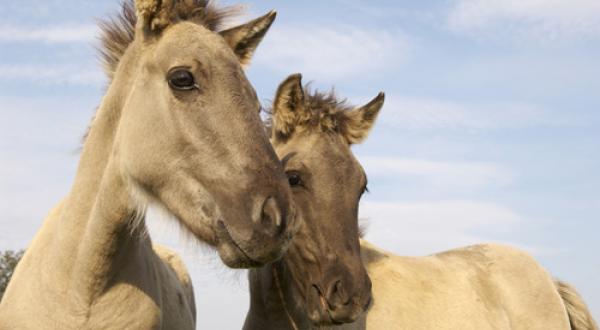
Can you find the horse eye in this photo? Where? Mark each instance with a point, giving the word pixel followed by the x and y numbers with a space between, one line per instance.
pixel 181 79
pixel 294 179
pixel 364 190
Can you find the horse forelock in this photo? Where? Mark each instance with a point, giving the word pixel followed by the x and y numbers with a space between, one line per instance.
pixel 326 112
pixel 118 31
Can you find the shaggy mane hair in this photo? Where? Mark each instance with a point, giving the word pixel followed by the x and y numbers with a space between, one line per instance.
pixel 323 111
pixel 118 32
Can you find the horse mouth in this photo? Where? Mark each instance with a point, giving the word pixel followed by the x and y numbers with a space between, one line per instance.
pixel 245 261
pixel 325 319
pixel 232 254
pixel 320 315
pixel 323 315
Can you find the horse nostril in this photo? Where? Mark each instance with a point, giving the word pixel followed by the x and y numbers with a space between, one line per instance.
pixel 271 217
pixel 368 303
pixel 335 295
pixel 336 287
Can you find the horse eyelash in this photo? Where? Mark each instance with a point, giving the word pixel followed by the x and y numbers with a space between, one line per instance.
pixel 366 190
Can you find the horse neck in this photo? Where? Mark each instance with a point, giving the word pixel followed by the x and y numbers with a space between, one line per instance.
pixel 93 231
pixel 273 303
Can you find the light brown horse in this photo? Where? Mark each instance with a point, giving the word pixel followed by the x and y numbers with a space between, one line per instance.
pixel 321 280
pixel 478 287
pixel 179 127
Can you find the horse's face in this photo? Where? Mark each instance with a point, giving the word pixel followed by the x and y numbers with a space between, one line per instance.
pixel 327 182
pixel 191 138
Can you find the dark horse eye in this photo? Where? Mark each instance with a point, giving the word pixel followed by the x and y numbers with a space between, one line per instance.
pixel 294 179
pixel 181 79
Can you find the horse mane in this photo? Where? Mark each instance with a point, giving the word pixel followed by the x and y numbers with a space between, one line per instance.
pixel 118 32
pixel 323 111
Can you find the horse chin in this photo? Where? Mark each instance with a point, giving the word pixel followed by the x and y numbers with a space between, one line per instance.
pixel 324 319
pixel 233 255
pixel 321 319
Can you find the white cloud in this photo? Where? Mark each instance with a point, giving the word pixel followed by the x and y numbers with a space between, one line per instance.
pixel 52 75
pixel 451 175
pixel 332 52
pixel 540 19
pixel 49 34
pixel 433 114
pixel 422 228
pixel 367 8
pixel 39 136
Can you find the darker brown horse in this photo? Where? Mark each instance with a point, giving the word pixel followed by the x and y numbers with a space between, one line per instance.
pixel 321 280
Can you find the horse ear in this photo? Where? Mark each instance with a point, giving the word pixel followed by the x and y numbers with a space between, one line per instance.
pixel 360 121
pixel 244 39
pixel 288 107
pixel 153 14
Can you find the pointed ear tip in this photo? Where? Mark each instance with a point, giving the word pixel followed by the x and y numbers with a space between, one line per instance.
pixel 295 78
pixel 376 103
pixel 379 100
pixel 268 17
pixel 267 20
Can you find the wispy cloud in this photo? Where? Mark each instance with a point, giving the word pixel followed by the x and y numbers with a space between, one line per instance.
pixel 540 19
pixel 434 114
pixel 48 34
pixel 449 175
pixel 365 7
pixel 52 75
pixel 333 52
pixel 423 228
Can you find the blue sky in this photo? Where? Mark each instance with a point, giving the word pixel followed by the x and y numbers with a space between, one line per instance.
pixel 490 131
